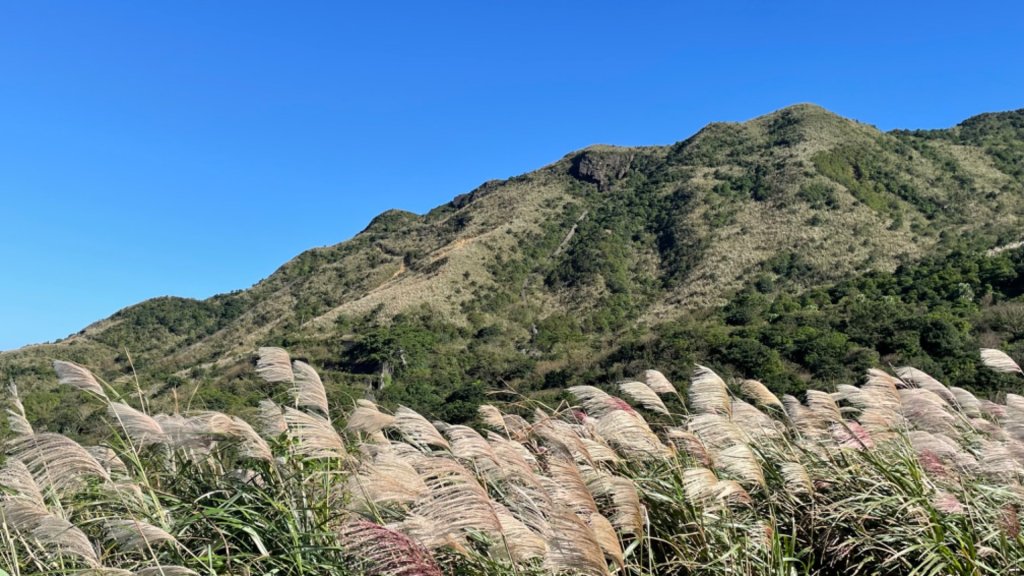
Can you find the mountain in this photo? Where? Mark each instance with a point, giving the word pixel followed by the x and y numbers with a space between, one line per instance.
pixel 794 247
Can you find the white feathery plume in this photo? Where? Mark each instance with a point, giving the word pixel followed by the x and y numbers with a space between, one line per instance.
pixel 16 479
pixel 308 389
pixel 56 462
pixel 314 436
pixel 386 480
pixel 251 444
pixel 880 391
pixel 850 434
pixel 597 402
pixel 165 571
pixel 739 461
pixel 108 458
pixel 798 481
pixel 79 377
pixel 690 444
pixel 999 361
pixel 491 416
pixel 760 393
pixel 139 427
pixel 56 535
pixel 803 418
pixel 136 535
pixel 756 425
pixel 607 539
pixel 626 511
pixel 716 431
pixel 388 551
pixel 417 430
pixel 523 543
pixel 566 486
pixel 823 406
pixel 274 365
pixel 599 451
pixel 16 419
pixel 367 418
pixel 467 444
pixel 658 382
pixel 923 380
pixel 699 484
pixel 271 419
pixel 516 461
pixel 643 395
pixel 966 402
pixel 926 410
pixel 708 393
pixel 457 503
pixel 572 546
pixel 630 435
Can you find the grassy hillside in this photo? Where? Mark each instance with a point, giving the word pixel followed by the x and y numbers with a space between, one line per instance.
pixel 796 246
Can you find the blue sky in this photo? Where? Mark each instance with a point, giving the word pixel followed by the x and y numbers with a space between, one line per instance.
pixel 190 148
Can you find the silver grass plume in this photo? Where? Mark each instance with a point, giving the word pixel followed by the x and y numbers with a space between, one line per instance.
pixel 134 535
pixel 314 436
pixel 523 543
pixel 71 374
pixel 308 389
pixel 626 511
pixel 597 402
pixel 56 462
pixel 999 361
pixel 716 431
pixel 139 427
pixel 274 365
pixel 367 418
pixel 384 481
pixel 457 504
pixel 658 382
pixel 17 482
pixel 630 435
pixel 57 536
pixel 923 380
pixel 417 429
pixel 572 546
pixel 16 419
pixel 708 393
pixel 797 479
pixel 644 396
pixel 271 419
pixel 927 411
pixel 468 445
pixel 607 539
pixel 165 571
pixel 760 394
pixel 823 406
pixel 251 444
pixel 108 459
pixel 740 462
pixel 966 402
pixel 756 425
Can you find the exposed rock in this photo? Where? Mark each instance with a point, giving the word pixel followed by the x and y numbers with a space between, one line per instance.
pixel 603 167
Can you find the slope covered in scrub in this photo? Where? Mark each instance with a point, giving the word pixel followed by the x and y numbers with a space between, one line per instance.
pixel 797 247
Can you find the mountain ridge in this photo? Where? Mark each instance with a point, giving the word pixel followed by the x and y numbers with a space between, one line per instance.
pixel 612 239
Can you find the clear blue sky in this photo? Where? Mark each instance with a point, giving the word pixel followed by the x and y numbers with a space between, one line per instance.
pixel 190 148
